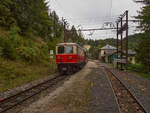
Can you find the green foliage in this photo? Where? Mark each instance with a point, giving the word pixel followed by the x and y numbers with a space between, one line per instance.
pixel 17 73
pixel 94 52
pixel 24 21
pixel 1 51
pixel 143 54
pixel 133 42
pixel 138 68
pixel 6 72
pixel 10 43
pixel 6 17
pixel 31 16
pixel 75 36
pixel 29 54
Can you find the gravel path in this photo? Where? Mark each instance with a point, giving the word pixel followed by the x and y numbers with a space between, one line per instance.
pixel 59 101
pixel 102 98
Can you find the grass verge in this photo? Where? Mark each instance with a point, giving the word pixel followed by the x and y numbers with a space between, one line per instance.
pixel 145 75
pixel 136 69
pixel 17 73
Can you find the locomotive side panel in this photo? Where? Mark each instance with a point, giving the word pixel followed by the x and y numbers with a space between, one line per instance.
pixel 80 53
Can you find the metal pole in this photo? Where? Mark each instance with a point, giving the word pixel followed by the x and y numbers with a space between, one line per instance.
pixel 121 44
pixel 72 35
pixel 127 40
pixel 117 43
pixel 54 23
pixel 64 31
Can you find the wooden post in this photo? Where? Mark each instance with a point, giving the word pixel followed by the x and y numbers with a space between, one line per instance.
pixel 117 42
pixel 126 39
pixel 121 42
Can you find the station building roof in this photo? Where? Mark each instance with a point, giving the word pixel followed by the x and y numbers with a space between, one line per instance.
pixel 108 47
pixel 67 43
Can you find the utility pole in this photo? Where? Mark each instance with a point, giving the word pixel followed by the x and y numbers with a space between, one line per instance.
pixel 123 27
pixel 117 42
pixel 54 23
pixel 121 42
pixel 127 39
pixel 64 23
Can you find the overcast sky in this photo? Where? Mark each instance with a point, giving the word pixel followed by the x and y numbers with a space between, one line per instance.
pixel 94 13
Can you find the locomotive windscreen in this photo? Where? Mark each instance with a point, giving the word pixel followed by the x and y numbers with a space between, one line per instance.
pixel 65 49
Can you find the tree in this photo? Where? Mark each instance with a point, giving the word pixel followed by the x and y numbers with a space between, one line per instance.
pixel 143 50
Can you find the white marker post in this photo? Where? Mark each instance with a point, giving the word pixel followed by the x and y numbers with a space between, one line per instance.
pixel 51 57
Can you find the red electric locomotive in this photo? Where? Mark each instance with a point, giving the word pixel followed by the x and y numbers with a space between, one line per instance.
pixel 70 57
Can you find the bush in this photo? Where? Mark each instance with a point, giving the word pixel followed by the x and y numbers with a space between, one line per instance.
pixel 1 51
pixel 29 54
pixel 6 71
pixel 10 43
pixel 138 68
pixel 44 51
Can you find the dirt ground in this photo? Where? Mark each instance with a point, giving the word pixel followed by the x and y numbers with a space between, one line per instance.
pixel 71 97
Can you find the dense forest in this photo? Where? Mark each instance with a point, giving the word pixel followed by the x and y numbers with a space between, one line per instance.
pixel 28 30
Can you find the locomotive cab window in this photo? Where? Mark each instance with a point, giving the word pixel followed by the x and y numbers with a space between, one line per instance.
pixel 61 49
pixel 68 49
pixel 65 49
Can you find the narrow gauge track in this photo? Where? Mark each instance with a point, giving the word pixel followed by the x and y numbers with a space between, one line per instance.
pixel 15 100
pixel 127 102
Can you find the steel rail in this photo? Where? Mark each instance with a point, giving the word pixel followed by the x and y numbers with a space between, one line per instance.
pixel 141 106
pixel 112 90
pixel 12 101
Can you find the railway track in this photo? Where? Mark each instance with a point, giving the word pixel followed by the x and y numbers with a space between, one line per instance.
pixel 15 100
pixel 126 101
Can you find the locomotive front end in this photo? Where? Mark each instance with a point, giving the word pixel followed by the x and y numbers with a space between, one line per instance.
pixel 66 57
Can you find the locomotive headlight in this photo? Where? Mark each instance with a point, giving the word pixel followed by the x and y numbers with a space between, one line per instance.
pixel 59 57
pixel 70 57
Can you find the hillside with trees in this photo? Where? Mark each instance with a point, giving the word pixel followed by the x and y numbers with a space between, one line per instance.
pixel 97 44
pixel 28 31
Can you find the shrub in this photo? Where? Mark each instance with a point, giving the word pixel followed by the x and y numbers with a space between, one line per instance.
pixel 10 43
pixel 29 54
pixel 1 51
pixel 138 68
pixel 44 51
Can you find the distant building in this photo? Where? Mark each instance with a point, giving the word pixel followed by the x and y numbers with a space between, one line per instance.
pixel 131 56
pixel 87 47
pixel 108 53
pixel 105 52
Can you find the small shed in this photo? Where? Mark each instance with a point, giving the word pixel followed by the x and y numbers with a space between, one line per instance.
pixel 131 56
pixel 105 53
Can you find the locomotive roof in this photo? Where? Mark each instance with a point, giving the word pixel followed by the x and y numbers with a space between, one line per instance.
pixel 60 44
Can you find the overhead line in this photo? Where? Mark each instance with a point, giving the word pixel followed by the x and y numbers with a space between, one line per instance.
pixel 96 29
